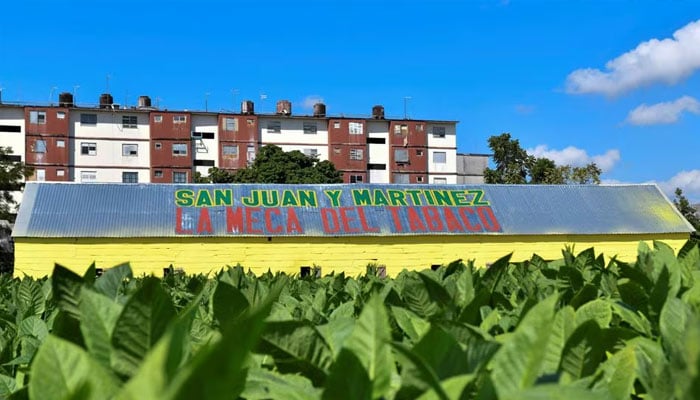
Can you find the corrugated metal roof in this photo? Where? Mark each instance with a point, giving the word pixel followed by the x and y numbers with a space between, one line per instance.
pixel 168 210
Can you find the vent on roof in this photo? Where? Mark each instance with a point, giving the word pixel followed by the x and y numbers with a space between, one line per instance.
pixel 378 112
pixel 247 107
pixel 65 99
pixel 106 100
pixel 284 107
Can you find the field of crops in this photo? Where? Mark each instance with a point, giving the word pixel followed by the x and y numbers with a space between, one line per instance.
pixel 574 328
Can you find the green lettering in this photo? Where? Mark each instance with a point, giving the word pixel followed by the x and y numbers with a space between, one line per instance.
pixel 184 198
pixel 288 199
pixel 223 197
pixel 203 199
pixel 361 197
pixel 307 198
pixel 442 197
pixel 397 197
pixel 253 200
pixel 478 194
pixel 334 197
pixel 429 197
pixel 415 196
pixel 380 198
pixel 270 198
pixel 460 197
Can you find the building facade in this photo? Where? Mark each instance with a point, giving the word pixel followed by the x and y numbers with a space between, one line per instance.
pixel 110 143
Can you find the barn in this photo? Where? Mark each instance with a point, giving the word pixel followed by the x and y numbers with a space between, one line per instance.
pixel 293 228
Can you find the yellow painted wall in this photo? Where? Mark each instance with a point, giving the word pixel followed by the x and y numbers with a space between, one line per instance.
pixel 36 256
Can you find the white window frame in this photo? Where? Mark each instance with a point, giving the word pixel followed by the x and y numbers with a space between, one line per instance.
pixel 130 174
pixel 180 153
pixel 231 124
pixel 179 173
pixel 130 150
pixel 158 119
pixel 88 176
pixel 230 151
pixel 310 128
pixel 39 146
pixel 311 152
pixel 405 178
pixel 41 175
pixel 438 131
pixel 403 160
pixel 357 154
pixel 88 148
pixel 87 118
pixel 355 128
pixel 60 143
pixel 179 119
pixel 439 157
pixel 274 127
pixel 356 179
pixel 439 181
pixel 37 117
pixel 60 115
pixel 130 121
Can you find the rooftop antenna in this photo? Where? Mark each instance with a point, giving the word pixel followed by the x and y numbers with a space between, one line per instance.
pixel 107 78
pixel 263 96
pixel 158 99
pixel 206 101
pixel 405 106
pixel 75 91
pixel 53 89
pixel 234 92
pixel 0 94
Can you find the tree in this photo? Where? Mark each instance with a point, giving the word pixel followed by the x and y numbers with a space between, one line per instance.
pixel 12 175
pixel 515 166
pixel 686 209
pixel 274 165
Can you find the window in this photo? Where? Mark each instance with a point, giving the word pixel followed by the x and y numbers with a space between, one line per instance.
pixel 179 177
pixel 311 152
pixel 39 146
pixel 158 146
pixel 88 149
pixel 37 117
pixel 419 179
pixel 157 119
pixel 60 143
pixel 440 181
pixel 355 128
pixel 250 154
pixel 439 157
pixel 40 174
pixel 129 121
pixel 401 155
pixel 419 153
pixel 179 149
pixel 401 178
pixel 250 121
pixel 401 129
pixel 336 125
pixel 439 131
pixel 230 151
pixel 130 177
pixel 88 119
pixel 356 154
pixel 60 172
pixel 88 176
pixel 231 124
pixel 179 119
pixel 158 174
pixel 356 178
pixel 274 127
pixel 60 115
pixel 130 150
pixel 419 127
pixel 310 128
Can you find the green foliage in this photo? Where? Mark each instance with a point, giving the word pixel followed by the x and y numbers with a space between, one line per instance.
pixel 273 165
pixel 515 166
pixel 686 209
pixel 12 175
pixel 570 328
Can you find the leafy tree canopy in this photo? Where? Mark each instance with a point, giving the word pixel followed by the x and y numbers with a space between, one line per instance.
pixel 12 175
pixel 688 211
pixel 515 166
pixel 274 165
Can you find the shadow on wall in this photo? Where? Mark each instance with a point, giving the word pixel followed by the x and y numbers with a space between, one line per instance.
pixel 7 248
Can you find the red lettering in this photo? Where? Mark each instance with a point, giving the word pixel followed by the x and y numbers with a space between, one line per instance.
pixel 453 224
pixel 268 220
pixel 234 220
pixel 465 218
pixel 488 219
pixel 363 221
pixel 250 219
pixel 432 218
pixel 414 221
pixel 347 219
pixel 293 224
pixel 204 223
pixel 395 217
pixel 330 220
pixel 178 223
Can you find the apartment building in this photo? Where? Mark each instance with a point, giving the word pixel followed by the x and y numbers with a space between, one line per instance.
pixel 112 143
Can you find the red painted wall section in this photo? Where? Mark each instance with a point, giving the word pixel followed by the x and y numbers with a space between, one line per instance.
pixel 410 139
pixel 346 146
pixel 171 144
pixel 47 141
pixel 238 138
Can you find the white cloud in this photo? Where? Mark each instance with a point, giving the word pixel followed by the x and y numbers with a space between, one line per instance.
pixel 668 60
pixel 577 157
pixel 309 101
pixel 663 113
pixel 688 181
pixel 524 109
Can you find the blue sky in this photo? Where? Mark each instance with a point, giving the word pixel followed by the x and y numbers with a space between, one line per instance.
pixel 616 82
